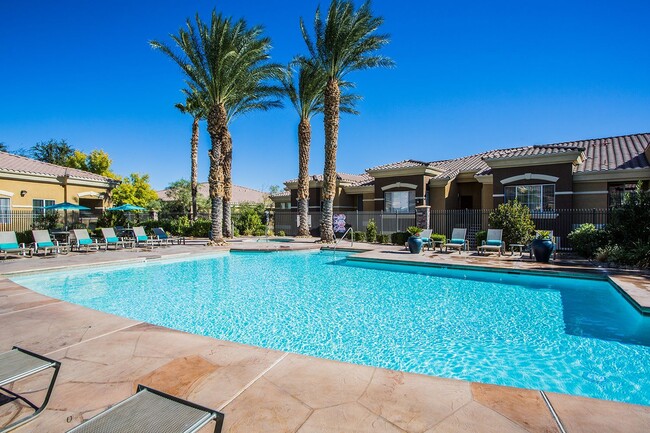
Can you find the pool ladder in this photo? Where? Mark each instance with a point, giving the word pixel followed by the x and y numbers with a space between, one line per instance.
pixel 343 237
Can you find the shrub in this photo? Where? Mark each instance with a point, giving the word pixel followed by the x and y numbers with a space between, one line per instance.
pixel 414 231
pixel 199 228
pixel 383 239
pixel 359 237
pixel 259 231
pixel 111 219
pixel 47 221
pixel 281 233
pixel 24 237
pixel 371 231
pixel 248 220
pixel 399 238
pixel 585 240
pixel 515 221
pixel 481 236
pixel 438 238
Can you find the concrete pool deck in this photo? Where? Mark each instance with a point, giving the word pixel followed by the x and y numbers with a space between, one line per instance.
pixel 104 357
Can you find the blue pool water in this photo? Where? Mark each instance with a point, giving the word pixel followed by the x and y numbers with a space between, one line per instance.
pixel 568 335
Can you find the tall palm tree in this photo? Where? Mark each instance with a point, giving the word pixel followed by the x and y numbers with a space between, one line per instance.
pixel 343 43
pixel 194 107
pixel 217 57
pixel 306 96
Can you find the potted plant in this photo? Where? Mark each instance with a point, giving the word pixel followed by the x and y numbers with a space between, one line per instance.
pixel 415 241
pixel 542 246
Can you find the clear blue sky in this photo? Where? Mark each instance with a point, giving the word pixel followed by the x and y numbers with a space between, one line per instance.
pixel 470 76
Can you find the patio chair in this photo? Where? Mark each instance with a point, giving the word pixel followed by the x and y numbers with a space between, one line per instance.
pixel 141 238
pixel 457 241
pixel 151 411
pixel 18 364
pixel 493 242
pixel 425 235
pixel 9 245
pixel 80 239
pixel 43 242
pixel 110 238
pixel 164 237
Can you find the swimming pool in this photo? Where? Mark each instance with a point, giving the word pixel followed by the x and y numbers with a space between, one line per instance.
pixel 569 335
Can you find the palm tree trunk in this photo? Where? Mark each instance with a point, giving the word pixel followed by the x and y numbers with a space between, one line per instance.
pixel 304 142
pixel 332 102
pixel 226 152
pixel 195 166
pixel 217 123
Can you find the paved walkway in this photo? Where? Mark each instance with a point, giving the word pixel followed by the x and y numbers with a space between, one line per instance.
pixel 104 357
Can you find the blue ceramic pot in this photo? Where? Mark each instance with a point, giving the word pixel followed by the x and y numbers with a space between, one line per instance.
pixel 542 249
pixel 415 244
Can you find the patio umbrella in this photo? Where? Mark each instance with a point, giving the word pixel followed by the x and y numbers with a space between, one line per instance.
pixel 126 207
pixel 65 207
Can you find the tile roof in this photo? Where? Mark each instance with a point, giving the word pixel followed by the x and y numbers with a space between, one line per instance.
pixel 240 194
pixel 23 165
pixel 345 177
pixel 281 194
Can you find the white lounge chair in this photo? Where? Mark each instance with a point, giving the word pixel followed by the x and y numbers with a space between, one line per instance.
pixel 79 239
pixel 141 238
pixel 457 241
pixel 43 242
pixel 9 245
pixel 110 238
pixel 493 242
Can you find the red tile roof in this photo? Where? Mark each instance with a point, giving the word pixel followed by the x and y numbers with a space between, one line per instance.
pixel 23 165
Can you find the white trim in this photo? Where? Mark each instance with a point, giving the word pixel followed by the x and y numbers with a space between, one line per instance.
pixel 399 185
pixel 564 192
pixel 6 193
pixel 373 199
pixel 22 206
pixel 89 194
pixel 529 176
pixel 589 192
pixel 498 195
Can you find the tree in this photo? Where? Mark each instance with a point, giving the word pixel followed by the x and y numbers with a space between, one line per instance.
pixel 135 190
pixel 97 162
pixel 221 60
pixel 52 151
pixel 195 108
pixel 3 147
pixel 514 218
pixel 344 42
pixel 306 96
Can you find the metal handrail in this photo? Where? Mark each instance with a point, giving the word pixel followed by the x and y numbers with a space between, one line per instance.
pixel 343 237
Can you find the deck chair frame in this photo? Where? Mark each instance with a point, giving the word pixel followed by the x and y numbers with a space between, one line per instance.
pixel 16 375
pixel 454 246
pixel 499 249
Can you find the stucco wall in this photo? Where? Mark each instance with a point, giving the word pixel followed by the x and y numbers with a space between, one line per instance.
pixel 46 191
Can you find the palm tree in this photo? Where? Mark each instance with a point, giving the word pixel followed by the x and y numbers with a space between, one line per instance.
pixel 306 96
pixel 344 42
pixel 216 59
pixel 194 107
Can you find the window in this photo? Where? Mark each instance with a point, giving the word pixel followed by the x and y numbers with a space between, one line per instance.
pixel 536 197
pixel 39 204
pixel 616 193
pixel 399 201
pixel 5 211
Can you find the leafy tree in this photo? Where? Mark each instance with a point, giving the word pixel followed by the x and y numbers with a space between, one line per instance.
pixel 225 62
pixel 248 220
pixel 345 42
pixel 135 190
pixel 3 147
pixel 52 151
pixel 515 221
pixel 97 162
pixel 194 107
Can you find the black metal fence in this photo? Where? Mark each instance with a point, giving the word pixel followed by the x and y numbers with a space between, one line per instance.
pixel 287 221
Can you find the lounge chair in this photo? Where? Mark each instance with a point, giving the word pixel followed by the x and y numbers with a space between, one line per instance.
pixel 457 241
pixel 44 242
pixel 80 239
pixel 141 238
pixel 110 238
pixel 164 237
pixel 151 411
pixel 9 245
pixel 18 364
pixel 493 242
pixel 425 235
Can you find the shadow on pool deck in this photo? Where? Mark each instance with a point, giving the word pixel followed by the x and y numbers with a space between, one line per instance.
pixel 104 357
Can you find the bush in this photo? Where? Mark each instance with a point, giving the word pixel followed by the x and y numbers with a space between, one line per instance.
pixel 371 231
pixel 383 239
pixel 481 236
pixel 399 238
pixel 199 228
pixel 281 233
pixel 259 231
pixel 47 221
pixel 24 237
pixel 359 237
pixel 111 219
pixel 438 238
pixel 248 220
pixel 515 221
pixel 585 240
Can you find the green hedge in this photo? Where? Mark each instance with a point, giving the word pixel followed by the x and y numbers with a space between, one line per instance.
pixel 383 239
pixel 399 238
pixel 481 236
pixel 438 237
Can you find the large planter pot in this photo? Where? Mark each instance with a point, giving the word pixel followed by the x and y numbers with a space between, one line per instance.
pixel 415 244
pixel 542 249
